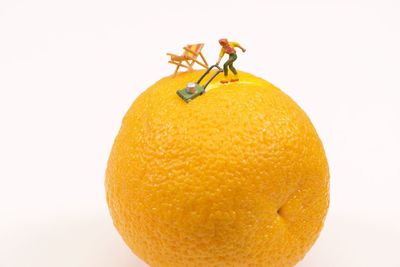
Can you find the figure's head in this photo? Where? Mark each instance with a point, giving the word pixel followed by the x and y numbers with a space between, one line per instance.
pixel 223 41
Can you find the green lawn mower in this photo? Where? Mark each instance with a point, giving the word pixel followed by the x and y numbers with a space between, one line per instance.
pixel 194 89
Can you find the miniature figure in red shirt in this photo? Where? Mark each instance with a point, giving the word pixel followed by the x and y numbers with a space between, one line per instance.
pixel 229 48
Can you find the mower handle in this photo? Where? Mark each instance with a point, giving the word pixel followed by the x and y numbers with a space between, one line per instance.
pixel 212 78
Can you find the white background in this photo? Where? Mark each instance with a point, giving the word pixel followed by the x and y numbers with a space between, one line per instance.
pixel 69 70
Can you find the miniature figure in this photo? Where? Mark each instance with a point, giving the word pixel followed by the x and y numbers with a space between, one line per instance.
pixel 229 48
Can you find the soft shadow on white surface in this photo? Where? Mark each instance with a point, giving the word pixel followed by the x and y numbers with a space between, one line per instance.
pixel 356 241
pixel 65 243
pixel 85 242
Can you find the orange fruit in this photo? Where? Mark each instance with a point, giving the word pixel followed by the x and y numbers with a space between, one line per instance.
pixel 237 177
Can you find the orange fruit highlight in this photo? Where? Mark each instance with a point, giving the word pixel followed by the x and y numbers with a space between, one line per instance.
pixel 236 178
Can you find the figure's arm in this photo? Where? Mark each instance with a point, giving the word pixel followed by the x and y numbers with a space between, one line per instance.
pixel 221 54
pixel 242 48
pixel 236 44
pixel 219 60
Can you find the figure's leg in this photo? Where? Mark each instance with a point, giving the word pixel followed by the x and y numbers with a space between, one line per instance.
pixel 232 59
pixel 225 80
pixel 228 63
pixel 226 68
pixel 232 68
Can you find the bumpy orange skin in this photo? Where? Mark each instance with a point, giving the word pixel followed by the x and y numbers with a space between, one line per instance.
pixel 237 177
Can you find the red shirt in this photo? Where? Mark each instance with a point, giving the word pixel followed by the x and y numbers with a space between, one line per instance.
pixel 229 49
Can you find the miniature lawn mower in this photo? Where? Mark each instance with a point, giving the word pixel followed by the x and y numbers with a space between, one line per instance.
pixel 194 89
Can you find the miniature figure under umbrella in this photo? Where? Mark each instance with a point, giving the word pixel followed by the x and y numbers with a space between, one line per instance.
pixel 229 48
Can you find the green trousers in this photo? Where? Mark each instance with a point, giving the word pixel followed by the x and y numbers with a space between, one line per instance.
pixel 229 63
